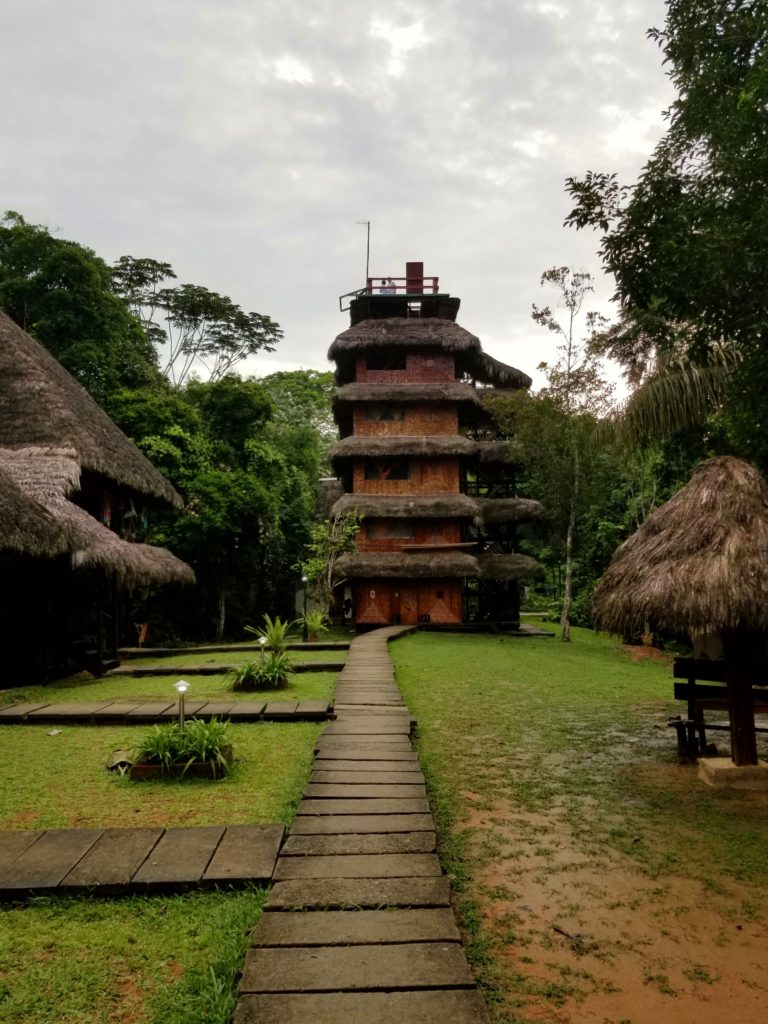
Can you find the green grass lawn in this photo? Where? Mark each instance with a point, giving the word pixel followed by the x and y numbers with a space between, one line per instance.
pixel 302 686
pixel 566 737
pixel 307 654
pixel 152 960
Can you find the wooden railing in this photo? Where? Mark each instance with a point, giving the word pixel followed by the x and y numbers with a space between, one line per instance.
pixel 402 285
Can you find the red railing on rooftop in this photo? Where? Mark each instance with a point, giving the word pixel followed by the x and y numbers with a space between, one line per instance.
pixel 402 285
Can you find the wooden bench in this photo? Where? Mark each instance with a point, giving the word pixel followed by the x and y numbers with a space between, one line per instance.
pixel 705 689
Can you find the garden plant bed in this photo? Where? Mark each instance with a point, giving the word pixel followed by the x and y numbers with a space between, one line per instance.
pixel 142 770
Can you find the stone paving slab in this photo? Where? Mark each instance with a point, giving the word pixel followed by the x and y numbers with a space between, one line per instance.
pixel 277 709
pixel 422 965
pixel 370 805
pixel 113 859
pixel 379 726
pixel 367 767
pixel 451 1006
pixel 15 711
pixel 117 709
pixel 343 777
pixel 245 853
pixel 354 791
pixel 181 856
pixel 356 927
pixel 374 865
pixel 313 707
pixel 359 843
pixel 45 863
pixel 151 709
pixel 14 843
pixel 247 710
pixel 342 893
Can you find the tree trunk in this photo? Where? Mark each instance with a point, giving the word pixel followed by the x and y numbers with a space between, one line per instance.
pixel 565 617
pixel 222 615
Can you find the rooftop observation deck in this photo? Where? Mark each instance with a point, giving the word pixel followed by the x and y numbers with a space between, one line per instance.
pixel 413 295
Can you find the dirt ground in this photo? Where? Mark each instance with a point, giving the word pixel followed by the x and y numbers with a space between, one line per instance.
pixel 588 937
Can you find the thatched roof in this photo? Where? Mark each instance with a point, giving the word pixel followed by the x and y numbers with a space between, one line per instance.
pixel 25 526
pixel 47 476
pixel 408 506
pixel 43 405
pixel 405 565
pixel 428 332
pixel 499 452
pixel 424 332
pixel 507 510
pixel 699 563
pixel 382 445
pixel 508 567
pixel 450 391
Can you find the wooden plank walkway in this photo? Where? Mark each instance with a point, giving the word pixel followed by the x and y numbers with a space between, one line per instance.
pixel 139 671
pixel 140 711
pixel 117 861
pixel 362 840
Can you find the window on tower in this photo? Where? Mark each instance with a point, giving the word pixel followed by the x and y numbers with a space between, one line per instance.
pixel 387 469
pixel 386 359
pixel 392 412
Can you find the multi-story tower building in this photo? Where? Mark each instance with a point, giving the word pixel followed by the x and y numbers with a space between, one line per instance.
pixel 437 495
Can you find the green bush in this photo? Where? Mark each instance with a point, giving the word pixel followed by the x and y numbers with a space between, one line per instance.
pixel 172 747
pixel 269 673
pixel 275 632
pixel 314 623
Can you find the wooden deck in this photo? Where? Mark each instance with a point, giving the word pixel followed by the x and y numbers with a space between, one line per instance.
pixel 140 712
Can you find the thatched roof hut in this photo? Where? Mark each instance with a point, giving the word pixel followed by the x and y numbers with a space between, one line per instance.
pixel 26 528
pixel 41 404
pixel 47 476
pixel 425 332
pixel 699 563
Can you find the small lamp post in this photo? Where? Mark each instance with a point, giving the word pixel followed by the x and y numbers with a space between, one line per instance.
pixel 181 688
pixel 305 581
pixel 262 641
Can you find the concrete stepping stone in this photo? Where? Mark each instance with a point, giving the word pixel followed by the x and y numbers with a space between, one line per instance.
pixel 14 843
pixel 247 710
pixel 374 865
pixel 355 927
pixel 276 709
pixel 245 853
pixel 344 893
pixel 343 777
pixel 452 1006
pixel 408 965
pixel 356 843
pixel 117 709
pixel 354 791
pixel 361 754
pixel 150 710
pixel 313 708
pixel 191 708
pixel 68 709
pixel 364 806
pixel 380 726
pixel 216 709
pixel 21 710
pixel 114 859
pixel 47 861
pixel 181 856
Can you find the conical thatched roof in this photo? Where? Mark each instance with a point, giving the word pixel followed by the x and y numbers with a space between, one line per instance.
pixel 25 526
pixel 448 391
pixel 384 445
pixel 699 563
pixel 402 565
pixel 46 477
pixel 508 567
pixel 508 510
pixel 43 405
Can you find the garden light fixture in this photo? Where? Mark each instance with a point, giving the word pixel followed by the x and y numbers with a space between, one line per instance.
pixel 181 688
pixel 305 581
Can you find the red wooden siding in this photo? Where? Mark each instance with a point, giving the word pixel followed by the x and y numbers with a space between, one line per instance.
pixel 377 602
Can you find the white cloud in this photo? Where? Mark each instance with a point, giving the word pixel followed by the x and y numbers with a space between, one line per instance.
pixel 289 69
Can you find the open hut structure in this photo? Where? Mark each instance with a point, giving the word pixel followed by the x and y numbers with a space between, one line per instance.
pixel 437 496
pixel 75 496
pixel 699 566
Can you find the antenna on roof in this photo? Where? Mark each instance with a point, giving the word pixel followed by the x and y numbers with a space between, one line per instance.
pixel 367 224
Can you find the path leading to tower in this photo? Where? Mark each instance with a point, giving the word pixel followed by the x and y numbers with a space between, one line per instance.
pixel 375 939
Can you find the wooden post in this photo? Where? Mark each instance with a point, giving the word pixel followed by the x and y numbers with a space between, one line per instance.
pixel 741 709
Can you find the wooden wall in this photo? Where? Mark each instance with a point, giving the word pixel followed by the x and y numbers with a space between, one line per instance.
pixel 425 367
pixel 419 418
pixel 373 533
pixel 427 476
pixel 380 602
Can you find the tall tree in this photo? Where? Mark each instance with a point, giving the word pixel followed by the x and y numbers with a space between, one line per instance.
pixel 688 242
pixel 196 330
pixel 575 387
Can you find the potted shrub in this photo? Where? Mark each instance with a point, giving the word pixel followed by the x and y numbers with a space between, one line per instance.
pixel 315 623
pixel 201 749
pixel 270 673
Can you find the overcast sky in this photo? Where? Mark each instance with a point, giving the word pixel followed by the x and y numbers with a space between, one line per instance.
pixel 241 141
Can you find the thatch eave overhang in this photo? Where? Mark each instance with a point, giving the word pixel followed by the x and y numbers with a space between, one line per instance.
pixel 407 506
pixel 405 565
pixel 425 332
pixel 42 405
pixel 26 527
pixel 450 391
pixel 384 446
pixel 509 567
pixel 698 564
pixel 508 510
